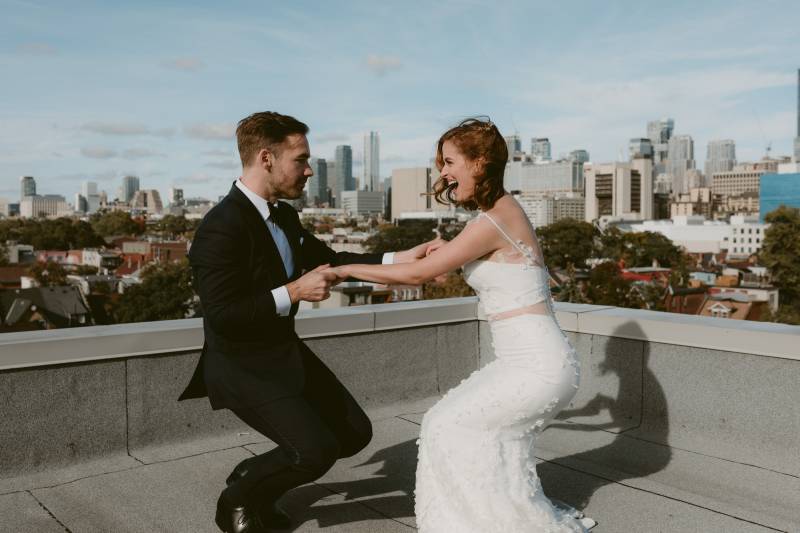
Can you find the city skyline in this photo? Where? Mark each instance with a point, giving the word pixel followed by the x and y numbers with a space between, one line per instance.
pixel 164 111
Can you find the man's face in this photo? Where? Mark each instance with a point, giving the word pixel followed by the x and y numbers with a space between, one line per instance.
pixel 290 168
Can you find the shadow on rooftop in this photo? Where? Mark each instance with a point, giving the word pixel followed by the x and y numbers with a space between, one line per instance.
pixel 389 492
pixel 624 457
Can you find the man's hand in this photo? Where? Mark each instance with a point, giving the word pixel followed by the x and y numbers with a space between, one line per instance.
pixel 419 251
pixel 313 286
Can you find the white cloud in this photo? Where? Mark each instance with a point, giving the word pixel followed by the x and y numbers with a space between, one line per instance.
pixel 186 64
pixel 207 131
pixel 225 165
pixel 98 152
pixel 141 153
pixel 37 49
pixel 380 65
pixel 116 128
pixel 217 153
pixel 197 178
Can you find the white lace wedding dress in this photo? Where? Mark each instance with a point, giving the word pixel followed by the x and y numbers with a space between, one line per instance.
pixel 476 471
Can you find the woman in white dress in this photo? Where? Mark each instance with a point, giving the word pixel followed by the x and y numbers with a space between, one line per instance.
pixel 476 471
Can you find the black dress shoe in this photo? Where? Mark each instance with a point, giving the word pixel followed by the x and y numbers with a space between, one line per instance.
pixel 238 518
pixel 238 473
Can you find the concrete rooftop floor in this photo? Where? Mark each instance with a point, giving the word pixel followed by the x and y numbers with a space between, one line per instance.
pixel 625 484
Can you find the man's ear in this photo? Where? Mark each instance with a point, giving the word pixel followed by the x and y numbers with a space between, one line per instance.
pixel 266 158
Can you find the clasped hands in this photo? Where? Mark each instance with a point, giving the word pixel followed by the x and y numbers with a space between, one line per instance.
pixel 315 286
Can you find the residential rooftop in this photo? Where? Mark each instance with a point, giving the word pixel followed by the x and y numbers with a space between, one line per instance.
pixel 682 423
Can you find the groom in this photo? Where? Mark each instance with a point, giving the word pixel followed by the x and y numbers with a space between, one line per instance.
pixel 253 262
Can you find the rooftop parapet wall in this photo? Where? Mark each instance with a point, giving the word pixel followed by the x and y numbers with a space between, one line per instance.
pixel 719 387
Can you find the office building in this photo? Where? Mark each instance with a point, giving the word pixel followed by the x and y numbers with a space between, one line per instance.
pixel 742 179
pixel 623 190
pixel 81 206
pixel 797 138
pixel 342 177
pixel 359 203
pixel 698 201
pixel 540 150
pixel 317 185
pixel 680 159
pixel 514 147
pixel 146 201
pixel 659 132
pixel 175 196
pixel 546 209
pixel 409 191
pixel 90 194
pixel 47 206
pixel 371 174
pixel 776 190
pixel 720 156
pixel 580 156
pixel 27 187
pixel 130 184
pixel 640 147
pixel 564 176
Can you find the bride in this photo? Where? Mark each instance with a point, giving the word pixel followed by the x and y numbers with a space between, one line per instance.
pixel 476 471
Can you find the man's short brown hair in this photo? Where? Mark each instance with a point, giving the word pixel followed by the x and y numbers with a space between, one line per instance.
pixel 265 130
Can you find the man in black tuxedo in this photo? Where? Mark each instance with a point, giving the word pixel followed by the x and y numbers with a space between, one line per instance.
pixel 253 262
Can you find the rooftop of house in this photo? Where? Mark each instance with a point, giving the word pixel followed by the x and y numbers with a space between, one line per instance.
pixel 681 424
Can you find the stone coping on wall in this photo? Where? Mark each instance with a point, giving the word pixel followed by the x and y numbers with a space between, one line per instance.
pixel 62 346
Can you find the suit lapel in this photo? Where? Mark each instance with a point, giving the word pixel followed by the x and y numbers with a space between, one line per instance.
pixel 261 235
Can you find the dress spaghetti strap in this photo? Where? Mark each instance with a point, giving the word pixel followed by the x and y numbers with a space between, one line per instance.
pixel 527 253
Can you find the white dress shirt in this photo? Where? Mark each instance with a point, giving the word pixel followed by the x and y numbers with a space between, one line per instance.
pixel 283 303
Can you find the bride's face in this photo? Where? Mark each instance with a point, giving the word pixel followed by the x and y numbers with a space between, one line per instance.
pixel 459 170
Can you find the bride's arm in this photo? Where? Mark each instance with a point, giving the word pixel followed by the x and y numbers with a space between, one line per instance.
pixel 474 241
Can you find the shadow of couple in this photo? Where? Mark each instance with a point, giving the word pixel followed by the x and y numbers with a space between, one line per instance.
pixel 625 437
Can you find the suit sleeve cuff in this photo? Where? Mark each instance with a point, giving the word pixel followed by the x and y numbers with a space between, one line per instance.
pixel 388 258
pixel 283 304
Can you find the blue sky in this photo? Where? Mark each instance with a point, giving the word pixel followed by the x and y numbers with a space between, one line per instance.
pixel 98 90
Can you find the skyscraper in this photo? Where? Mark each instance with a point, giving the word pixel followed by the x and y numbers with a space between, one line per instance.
pixel 720 157
pixel 27 187
pixel 659 132
pixel 371 173
pixel 540 149
pixel 680 158
pixel 130 184
pixel 318 183
pixel 89 193
pixel 640 147
pixel 797 138
pixel 514 146
pixel 343 177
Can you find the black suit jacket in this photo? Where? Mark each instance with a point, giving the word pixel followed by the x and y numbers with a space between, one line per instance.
pixel 251 355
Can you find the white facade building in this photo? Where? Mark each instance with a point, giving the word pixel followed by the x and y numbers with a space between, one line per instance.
pixel 362 202
pixel 49 205
pixel 740 238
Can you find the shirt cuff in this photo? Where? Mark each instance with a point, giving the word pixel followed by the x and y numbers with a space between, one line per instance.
pixel 283 304
pixel 388 258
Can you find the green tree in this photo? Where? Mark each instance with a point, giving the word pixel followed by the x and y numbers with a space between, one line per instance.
pixel 568 242
pixel 48 274
pixel 640 249
pixel 113 223
pixel 779 253
pixel 165 293
pixel 391 238
pixel 607 286
pixel 45 234
pixel 452 286
pixel 172 226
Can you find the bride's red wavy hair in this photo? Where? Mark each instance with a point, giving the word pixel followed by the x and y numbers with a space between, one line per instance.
pixel 479 140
